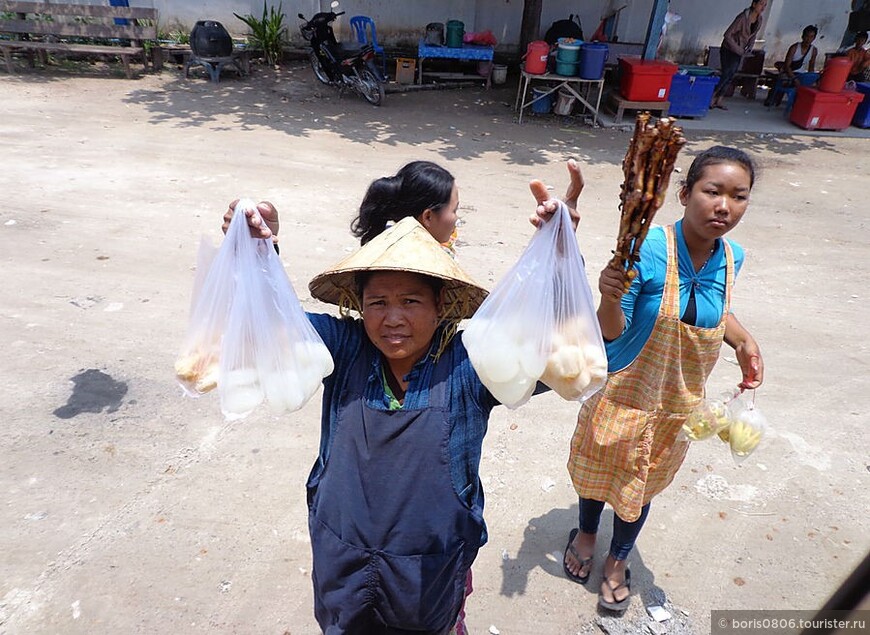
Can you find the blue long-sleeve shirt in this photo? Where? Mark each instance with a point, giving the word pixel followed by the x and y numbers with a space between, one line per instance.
pixel 469 402
pixel 642 301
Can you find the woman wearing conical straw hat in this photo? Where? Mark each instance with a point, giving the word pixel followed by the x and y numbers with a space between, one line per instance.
pixel 395 500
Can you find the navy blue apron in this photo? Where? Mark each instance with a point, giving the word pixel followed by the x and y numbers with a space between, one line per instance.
pixel 391 540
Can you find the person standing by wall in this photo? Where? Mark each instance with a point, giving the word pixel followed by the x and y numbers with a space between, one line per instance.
pixel 737 42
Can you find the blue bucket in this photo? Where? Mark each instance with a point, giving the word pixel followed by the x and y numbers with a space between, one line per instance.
pixel 592 58
pixel 568 49
pixel 543 105
pixel 569 69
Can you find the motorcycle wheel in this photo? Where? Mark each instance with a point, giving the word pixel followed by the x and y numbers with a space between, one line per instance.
pixel 372 89
pixel 317 67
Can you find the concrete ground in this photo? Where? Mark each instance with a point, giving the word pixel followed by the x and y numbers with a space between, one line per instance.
pixel 127 508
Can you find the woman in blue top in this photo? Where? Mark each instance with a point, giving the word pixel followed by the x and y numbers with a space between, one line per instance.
pixel 395 500
pixel 664 325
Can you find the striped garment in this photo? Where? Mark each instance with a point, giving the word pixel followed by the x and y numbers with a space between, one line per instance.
pixel 459 628
pixel 626 447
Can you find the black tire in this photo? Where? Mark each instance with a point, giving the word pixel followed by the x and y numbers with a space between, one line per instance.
pixel 317 67
pixel 372 88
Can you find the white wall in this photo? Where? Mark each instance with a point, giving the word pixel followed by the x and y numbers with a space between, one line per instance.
pixel 703 24
pixel 403 22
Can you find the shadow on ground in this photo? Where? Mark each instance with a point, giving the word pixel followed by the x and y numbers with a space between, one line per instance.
pixel 544 542
pixel 290 100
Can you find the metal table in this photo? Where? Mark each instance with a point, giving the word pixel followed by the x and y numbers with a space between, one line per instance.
pixel 571 84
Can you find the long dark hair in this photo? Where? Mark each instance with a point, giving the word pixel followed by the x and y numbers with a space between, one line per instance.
pixel 715 156
pixel 418 186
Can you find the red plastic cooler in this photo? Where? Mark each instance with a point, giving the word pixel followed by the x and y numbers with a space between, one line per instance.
pixel 645 80
pixel 817 110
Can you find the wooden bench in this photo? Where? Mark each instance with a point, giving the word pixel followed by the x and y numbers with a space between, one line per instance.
pixel 40 27
pixel 620 104
pixel 748 73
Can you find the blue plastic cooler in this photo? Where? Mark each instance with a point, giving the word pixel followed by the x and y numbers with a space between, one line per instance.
pixel 691 95
pixel 862 115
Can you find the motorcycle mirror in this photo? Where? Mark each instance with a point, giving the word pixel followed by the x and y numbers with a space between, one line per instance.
pixel 301 17
pixel 334 4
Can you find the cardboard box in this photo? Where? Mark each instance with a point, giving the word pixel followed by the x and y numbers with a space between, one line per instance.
pixel 406 67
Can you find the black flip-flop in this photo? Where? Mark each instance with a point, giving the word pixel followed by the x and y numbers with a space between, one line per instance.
pixel 623 603
pixel 579 579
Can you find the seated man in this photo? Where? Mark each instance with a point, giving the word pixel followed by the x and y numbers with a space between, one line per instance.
pixel 800 58
pixel 860 58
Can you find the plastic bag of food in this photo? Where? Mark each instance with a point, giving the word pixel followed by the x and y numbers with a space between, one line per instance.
pixel 543 300
pixel 747 429
pixel 248 319
pixel 577 362
pixel 196 367
pixel 709 417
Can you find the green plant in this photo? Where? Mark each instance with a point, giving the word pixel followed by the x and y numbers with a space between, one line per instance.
pixel 181 36
pixel 268 32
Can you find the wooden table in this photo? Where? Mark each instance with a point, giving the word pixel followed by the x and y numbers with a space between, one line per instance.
pixel 466 53
pixel 571 84
pixel 620 104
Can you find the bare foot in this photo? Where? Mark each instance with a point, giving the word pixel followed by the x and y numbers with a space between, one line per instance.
pixel 584 546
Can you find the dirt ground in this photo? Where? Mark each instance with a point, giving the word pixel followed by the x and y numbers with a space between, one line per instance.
pixel 127 508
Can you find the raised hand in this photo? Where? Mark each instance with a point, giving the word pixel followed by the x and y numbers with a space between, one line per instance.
pixel 263 221
pixel 547 205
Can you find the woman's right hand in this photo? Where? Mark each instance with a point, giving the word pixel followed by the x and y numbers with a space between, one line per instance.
pixel 614 282
pixel 547 206
pixel 263 221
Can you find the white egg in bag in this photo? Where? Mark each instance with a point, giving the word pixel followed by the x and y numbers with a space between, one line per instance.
pixel 539 323
pixel 253 323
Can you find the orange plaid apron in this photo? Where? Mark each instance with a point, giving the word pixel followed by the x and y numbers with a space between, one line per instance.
pixel 626 447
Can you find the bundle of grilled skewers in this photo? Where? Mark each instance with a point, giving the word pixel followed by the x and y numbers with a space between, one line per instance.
pixel 647 166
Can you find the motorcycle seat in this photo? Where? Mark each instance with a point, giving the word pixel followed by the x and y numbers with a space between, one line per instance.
pixel 343 51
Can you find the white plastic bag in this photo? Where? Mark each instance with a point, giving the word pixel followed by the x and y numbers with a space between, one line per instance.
pixel 577 363
pixel 248 333
pixel 539 321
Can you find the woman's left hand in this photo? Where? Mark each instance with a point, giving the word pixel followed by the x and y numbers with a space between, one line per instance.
pixel 751 365
pixel 748 353
pixel 547 205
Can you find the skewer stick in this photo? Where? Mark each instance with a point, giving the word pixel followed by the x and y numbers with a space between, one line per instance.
pixel 647 169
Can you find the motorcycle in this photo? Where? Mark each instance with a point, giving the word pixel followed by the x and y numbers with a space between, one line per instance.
pixel 338 64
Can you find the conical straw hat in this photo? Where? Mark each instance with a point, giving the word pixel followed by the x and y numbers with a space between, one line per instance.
pixel 406 246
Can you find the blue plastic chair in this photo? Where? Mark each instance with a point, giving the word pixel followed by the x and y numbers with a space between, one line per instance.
pixel 790 93
pixel 361 25
pixel 120 3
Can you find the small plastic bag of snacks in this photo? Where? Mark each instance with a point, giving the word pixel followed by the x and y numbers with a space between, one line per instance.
pixel 728 398
pixel 747 429
pixel 709 417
